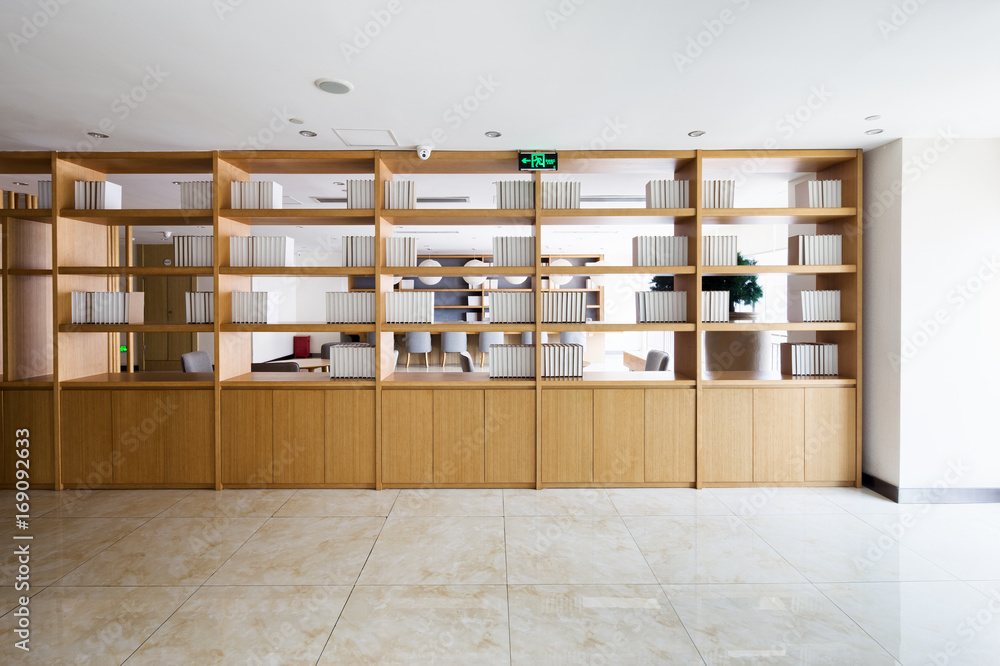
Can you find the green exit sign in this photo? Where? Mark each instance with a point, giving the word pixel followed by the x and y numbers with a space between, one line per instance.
pixel 537 161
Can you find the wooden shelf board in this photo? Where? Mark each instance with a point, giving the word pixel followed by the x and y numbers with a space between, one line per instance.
pixel 616 212
pixel 135 380
pixel 616 270
pixel 298 328
pixel 302 161
pixel 294 380
pixel 449 271
pixel 778 270
pixel 34 214
pixel 319 271
pixel 613 327
pixel 451 379
pixel 136 328
pixel 751 378
pixel 26 162
pixel 39 272
pixel 605 378
pixel 781 326
pixel 459 326
pixel 773 161
pixel 39 382
pixel 301 216
pixel 135 270
pixel 145 162
pixel 459 216
pixel 142 217
pixel 774 215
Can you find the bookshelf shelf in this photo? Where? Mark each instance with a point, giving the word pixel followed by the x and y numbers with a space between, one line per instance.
pixel 37 272
pixel 779 270
pixel 352 329
pixel 277 380
pixel 136 270
pixel 40 214
pixel 613 327
pixel 459 216
pixel 303 271
pixel 751 379
pixel 142 217
pixel 775 215
pixel 781 326
pixel 301 216
pixel 459 326
pixel 136 380
pixel 136 328
pixel 617 270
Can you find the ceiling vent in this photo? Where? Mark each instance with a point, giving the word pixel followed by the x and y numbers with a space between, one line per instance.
pixel 368 138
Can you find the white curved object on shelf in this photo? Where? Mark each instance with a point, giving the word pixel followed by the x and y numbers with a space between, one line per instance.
pixel 559 280
pixel 474 280
pixel 429 280
pixel 515 279
pixel 599 280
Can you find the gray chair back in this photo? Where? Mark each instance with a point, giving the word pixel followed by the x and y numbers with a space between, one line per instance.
pixel 528 338
pixel 573 338
pixel 465 358
pixel 283 366
pixel 418 343
pixel 371 337
pixel 487 339
pixel 454 342
pixel 324 350
pixel 657 360
pixel 196 361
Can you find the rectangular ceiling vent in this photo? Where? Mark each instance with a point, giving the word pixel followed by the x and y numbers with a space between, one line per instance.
pixel 367 138
pixel 289 200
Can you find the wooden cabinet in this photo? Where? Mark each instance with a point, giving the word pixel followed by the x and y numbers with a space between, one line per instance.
pixel 726 450
pixel 350 437
pixel 830 434
pixel 510 436
pixel 85 420
pixel 299 432
pixel 778 435
pixel 30 410
pixel 459 442
pixel 247 454
pixel 408 436
pixel 619 442
pixel 669 435
pixel 567 436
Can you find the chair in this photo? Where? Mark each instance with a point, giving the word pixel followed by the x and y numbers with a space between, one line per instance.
pixel 395 358
pixel 485 340
pixel 284 366
pixel 465 359
pixel 573 338
pixel 324 350
pixel 453 342
pixel 196 361
pixel 657 360
pixel 528 338
pixel 418 343
pixel 371 337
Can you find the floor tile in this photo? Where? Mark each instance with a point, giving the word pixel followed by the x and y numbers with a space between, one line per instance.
pixel 302 551
pixel 461 550
pixel 242 503
pixel 346 502
pixel 10 596
pixel 40 502
pixel 119 503
pixel 422 625
pixel 596 624
pixel 708 549
pixel 667 502
pixel 862 500
pixel 247 625
pixel 573 550
pixel 558 502
pixel 749 502
pixel 433 502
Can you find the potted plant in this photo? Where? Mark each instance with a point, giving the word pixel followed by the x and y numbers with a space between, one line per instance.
pixel 742 288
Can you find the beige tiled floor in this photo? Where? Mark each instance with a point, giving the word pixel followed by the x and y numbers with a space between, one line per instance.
pixel 624 576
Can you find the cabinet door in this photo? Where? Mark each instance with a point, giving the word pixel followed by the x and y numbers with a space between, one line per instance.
pixel 669 435
pixel 31 411
pixel 510 436
pixel 85 418
pixel 778 430
pixel 350 436
pixel 830 434
pixel 246 436
pixel 138 437
pixel 567 436
pixel 459 448
pixel 408 436
pixel 189 437
pixel 299 436
pixel 726 453
pixel 618 435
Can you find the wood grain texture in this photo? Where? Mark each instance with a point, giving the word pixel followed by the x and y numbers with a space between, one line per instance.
pixel 459 441
pixel 247 443
pixel 619 435
pixel 510 436
pixel 299 436
pixel 778 431
pixel 669 436
pixel 86 437
pixel 567 435
pixel 726 451
pixel 408 436
pixel 830 443
pixel 350 437
pixel 31 410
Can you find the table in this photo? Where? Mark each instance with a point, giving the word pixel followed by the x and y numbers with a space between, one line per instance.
pixel 309 364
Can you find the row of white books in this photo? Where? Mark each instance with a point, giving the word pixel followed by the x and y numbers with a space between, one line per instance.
pixel 516 194
pixel 196 194
pixel 360 193
pixel 821 305
pixel 719 251
pixel 819 193
pixel 401 251
pixel 667 194
pixel 107 307
pixel 568 307
pixel 350 307
pixel 359 250
pixel 45 194
pixel 97 195
pixel 561 195
pixel 660 251
pixel 660 307
pixel 19 201
pixel 818 250
pixel 512 307
pixel 809 358
pixel 715 306
pixel 562 360
pixel 400 194
pixel 513 251
pixel 199 307
pixel 193 251
pixel 352 360
pixel 718 193
pixel 409 307
pixel 509 361
pixel 261 251
pixel 255 194
pixel 253 307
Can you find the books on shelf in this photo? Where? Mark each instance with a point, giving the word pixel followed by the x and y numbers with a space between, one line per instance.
pixel 107 307
pixel 254 307
pixel 97 195
pixel 192 251
pixel 199 307
pixel 197 194
pixel 471 316
pixel 715 306
pixel 475 301
pixel 564 307
pixel 513 251
pixel 719 251
pixel 400 250
pixel 511 361
pixel 19 201
pixel 660 251
pixel 409 307
pixel 350 307
pixel 515 194
pixel 718 193
pixel 667 194
pixel 361 194
pixel 269 251
pixel 660 307
pixel 817 250
pixel 44 194
pixel 809 358
pixel 359 251
pixel 561 195
pixel 352 360
pixel 399 194
pixel 255 194
pixel 562 360
pixel 819 193
pixel 512 307
pixel 812 306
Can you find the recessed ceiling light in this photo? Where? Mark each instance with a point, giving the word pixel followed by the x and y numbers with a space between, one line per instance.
pixel 296 121
pixel 334 86
pixel 338 183
pixel 17 182
pixel 300 227
pixel 696 133
pixel 99 135
pixel 873 131
pixel 493 134
pixel 876 117
pixel 308 133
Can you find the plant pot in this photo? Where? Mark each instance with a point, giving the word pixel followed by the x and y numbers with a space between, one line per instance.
pixel 738 350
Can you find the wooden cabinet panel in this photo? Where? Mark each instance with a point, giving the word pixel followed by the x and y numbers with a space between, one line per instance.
pixel 137 438
pixel 669 435
pixel 31 410
pixel 778 429
pixel 510 436
pixel 459 444
pixel 85 420
pixel 726 451
pixel 619 428
pixel 350 436
pixel 246 436
pixel 830 434
pixel 567 435
pixel 299 431
pixel 189 438
pixel 408 436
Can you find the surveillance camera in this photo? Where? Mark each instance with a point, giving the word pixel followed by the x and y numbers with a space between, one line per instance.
pixel 423 152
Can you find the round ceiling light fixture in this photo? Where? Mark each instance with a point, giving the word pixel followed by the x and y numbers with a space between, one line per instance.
pixel 296 121
pixel 493 134
pixel 559 280
pixel 99 135
pixel 426 279
pixel 696 133
pixel 308 133
pixel 873 131
pixel 334 86
pixel 474 280
pixel 17 182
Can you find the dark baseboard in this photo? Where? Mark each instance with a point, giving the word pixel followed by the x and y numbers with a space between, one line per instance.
pixel 883 488
pixel 930 495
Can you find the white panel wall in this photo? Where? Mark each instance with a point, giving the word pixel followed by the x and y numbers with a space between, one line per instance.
pixel 269 346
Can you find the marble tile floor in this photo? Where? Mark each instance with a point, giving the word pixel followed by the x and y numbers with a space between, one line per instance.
pixel 586 576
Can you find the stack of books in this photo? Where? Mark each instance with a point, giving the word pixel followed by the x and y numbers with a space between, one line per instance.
pixel 718 193
pixel 350 307
pixel 819 193
pixel 510 361
pixel 398 195
pixel 193 251
pixel 512 307
pixel 197 195
pixel 562 360
pixel 261 251
pixel 352 360
pixel 809 358
pixel 200 307
pixel 409 307
pixel 97 195
pixel 19 201
pixel 359 250
pixel 660 250
pixel 361 194
pixel 667 194
pixel 564 307
pixel 815 306
pixel 654 307
pixel 106 307
pixel 253 307
pixel 256 194
pixel 718 251
pixel 517 194
pixel 401 251
pixel 561 195
pixel 513 251
pixel 715 306
pixel 818 250
pixel 44 194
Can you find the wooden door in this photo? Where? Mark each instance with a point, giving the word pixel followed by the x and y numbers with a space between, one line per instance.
pixel 510 436
pixel 669 435
pixel 299 436
pixel 85 416
pixel 247 452
pixel 459 445
pixel 830 439
pixel 567 436
pixel 408 436
pixel 350 436
pixel 778 432
pixel 618 435
pixel 31 411
pixel 726 451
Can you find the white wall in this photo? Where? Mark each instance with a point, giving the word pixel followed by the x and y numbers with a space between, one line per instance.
pixel 310 298
pixel 269 346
